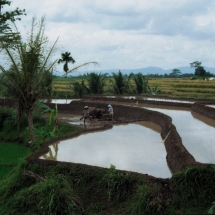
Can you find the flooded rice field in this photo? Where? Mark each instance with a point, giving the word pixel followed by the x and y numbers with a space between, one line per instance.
pixel 136 147
pixel 197 133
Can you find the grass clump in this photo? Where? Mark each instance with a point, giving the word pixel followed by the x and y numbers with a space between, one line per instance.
pixel 118 185
pixel 193 190
pixel 10 155
pixel 149 199
pixel 25 192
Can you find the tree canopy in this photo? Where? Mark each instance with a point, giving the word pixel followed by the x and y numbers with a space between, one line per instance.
pixel 7 35
pixel 30 63
pixel 199 69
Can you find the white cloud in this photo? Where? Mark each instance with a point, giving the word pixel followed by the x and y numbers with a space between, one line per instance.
pixel 126 34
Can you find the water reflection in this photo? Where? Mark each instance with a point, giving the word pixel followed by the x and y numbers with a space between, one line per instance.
pixel 151 99
pixel 134 147
pixel 58 101
pixel 52 154
pixel 213 106
pixel 197 133
pixel 168 100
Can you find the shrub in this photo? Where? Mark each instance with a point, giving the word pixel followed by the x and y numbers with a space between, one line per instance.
pixel 193 188
pixel 149 200
pixel 53 196
pixel 7 117
pixel 118 185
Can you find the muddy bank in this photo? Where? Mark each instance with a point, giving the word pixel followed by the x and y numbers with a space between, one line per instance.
pixel 203 109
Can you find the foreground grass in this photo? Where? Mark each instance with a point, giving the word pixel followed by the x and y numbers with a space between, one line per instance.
pixel 10 155
pixel 66 189
pixel 15 145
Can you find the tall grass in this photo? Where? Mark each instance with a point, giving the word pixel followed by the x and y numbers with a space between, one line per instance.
pixel 118 185
pixel 193 190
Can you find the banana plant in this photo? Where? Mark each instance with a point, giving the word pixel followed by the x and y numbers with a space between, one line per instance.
pixel 53 120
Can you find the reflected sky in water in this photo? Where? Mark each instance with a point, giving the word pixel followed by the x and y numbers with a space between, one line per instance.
pixel 59 101
pixel 134 147
pixel 197 133
pixel 213 106
pixel 150 99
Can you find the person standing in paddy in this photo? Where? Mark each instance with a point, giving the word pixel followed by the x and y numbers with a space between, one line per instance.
pixel 86 113
pixel 110 112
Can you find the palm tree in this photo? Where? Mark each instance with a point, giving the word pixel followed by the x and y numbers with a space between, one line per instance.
pixel 66 59
pixel 154 90
pixel 96 83
pixel 31 61
pixel 141 83
pixel 119 83
pixel 79 89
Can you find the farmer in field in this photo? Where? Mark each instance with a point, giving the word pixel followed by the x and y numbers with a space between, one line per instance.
pixel 110 112
pixel 86 113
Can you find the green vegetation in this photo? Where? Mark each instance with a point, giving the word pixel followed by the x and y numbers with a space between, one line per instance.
pixel 66 59
pixel 10 155
pixel 27 188
pixel 30 62
pixel 141 83
pixel 7 36
pixel 193 190
pixel 169 87
pixel 72 189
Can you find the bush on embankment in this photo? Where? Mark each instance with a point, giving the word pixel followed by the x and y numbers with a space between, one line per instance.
pixel 66 189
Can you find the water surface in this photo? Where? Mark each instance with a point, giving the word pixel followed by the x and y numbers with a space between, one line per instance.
pixel 136 147
pixel 197 133
pixel 59 101
pixel 151 99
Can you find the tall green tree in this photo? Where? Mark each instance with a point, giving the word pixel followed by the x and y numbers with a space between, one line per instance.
pixel 66 58
pixel 141 83
pixel 199 69
pixel 96 83
pixel 119 83
pixel 79 89
pixel 175 73
pixel 6 18
pixel 31 60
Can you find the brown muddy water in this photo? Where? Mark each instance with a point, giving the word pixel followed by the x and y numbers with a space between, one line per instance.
pixel 136 147
pixel 197 133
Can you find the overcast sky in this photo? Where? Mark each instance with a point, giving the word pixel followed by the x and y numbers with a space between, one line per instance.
pixel 125 34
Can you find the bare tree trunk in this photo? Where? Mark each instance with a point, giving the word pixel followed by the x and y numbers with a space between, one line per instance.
pixel 31 127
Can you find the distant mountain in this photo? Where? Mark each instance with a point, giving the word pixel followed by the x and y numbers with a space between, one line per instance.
pixel 144 71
